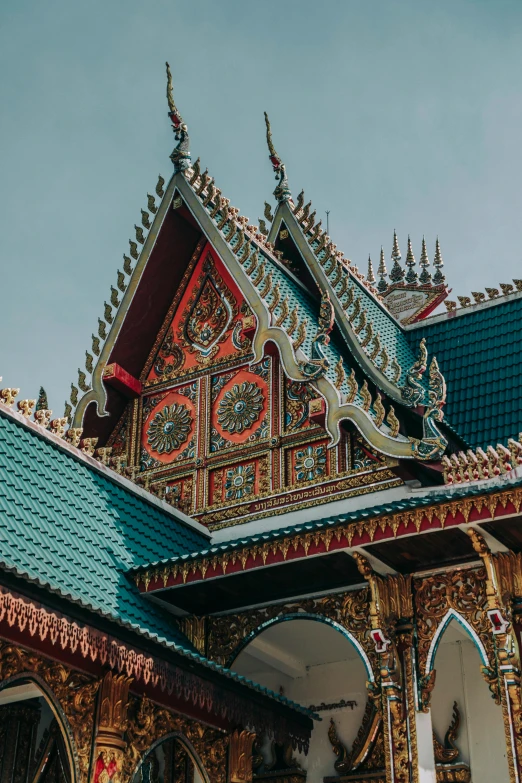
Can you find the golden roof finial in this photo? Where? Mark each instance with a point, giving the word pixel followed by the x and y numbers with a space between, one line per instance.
pixel 269 141
pixel 424 262
pixel 370 277
pixel 411 274
pixel 282 191
pixel 382 272
pixel 438 263
pixel 170 96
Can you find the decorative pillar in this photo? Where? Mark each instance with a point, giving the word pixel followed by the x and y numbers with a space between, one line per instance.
pixel 240 757
pixel 391 612
pixel 111 724
pixel 503 582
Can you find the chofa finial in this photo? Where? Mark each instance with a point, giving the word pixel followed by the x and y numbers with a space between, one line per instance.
pixel 180 156
pixel 282 191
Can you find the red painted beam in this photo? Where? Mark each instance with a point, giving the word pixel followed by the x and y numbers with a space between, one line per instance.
pixel 114 375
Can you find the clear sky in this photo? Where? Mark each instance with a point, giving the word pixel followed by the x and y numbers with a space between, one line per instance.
pixel 403 115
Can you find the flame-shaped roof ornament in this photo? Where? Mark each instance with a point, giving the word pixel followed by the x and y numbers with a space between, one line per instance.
pixel 180 156
pixel 282 191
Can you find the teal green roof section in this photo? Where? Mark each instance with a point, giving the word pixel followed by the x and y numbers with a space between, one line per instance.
pixel 479 355
pixel 69 528
pixel 442 495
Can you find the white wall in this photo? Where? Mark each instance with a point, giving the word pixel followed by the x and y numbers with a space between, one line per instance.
pixel 481 738
pixel 330 683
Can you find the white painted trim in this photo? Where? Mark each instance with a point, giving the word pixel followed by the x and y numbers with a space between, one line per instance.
pixel 451 614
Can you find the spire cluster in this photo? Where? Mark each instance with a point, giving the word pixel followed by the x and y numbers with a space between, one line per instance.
pixel 409 276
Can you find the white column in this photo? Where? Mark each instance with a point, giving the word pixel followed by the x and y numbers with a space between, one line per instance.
pixel 426 757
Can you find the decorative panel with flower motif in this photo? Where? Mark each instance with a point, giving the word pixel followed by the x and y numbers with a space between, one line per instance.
pixel 309 462
pixel 225 440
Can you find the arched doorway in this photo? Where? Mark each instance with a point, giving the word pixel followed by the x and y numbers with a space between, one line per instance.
pixel 316 663
pixel 461 699
pixel 34 747
pixel 171 760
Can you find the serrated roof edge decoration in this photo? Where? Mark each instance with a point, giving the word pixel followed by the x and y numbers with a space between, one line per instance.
pixel 236 241
pixel 479 298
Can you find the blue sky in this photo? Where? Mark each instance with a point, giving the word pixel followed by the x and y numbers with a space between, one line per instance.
pixel 403 115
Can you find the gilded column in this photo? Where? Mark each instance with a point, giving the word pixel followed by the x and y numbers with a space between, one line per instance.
pixel 391 631
pixel 111 724
pixel 240 757
pixel 503 582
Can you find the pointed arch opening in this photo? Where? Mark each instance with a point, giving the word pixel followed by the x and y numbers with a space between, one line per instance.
pixel 36 742
pixel 317 663
pixel 467 723
pixel 172 759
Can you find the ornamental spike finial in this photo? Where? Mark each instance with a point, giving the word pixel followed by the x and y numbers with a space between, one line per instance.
pixel 396 253
pixel 370 277
pixel 425 277
pixel 411 274
pixel 180 156
pixel 42 403
pixel 282 191
pixel 382 272
pixel 438 263
pixel 397 272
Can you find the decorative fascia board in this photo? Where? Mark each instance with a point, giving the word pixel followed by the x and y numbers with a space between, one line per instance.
pixel 400 447
pixel 285 214
pixel 98 392
pixel 262 551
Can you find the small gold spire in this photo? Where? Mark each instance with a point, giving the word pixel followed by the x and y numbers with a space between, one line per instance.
pixel 356 310
pixel 396 369
pixel 368 337
pixel 380 413
pixel 353 387
pixel 376 348
pixel 340 374
pixel 362 322
pixel 370 277
pixel 301 335
pixel 284 312
pixel 276 296
pixel 294 318
pixel 366 396
pixel 392 422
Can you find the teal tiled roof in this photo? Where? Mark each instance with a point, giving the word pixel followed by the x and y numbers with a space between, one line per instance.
pixel 360 515
pixel 71 529
pixel 478 354
pixel 74 531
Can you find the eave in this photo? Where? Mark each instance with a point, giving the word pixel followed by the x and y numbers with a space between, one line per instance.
pixel 215 576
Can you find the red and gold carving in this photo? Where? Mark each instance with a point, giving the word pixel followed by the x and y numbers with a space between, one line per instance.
pixel 235 482
pixel 308 463
pixel 240 407
pixel 169 428
pixel 240 757
pixel 206 327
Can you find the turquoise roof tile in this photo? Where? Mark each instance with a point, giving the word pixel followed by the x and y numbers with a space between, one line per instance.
pixel 68 527
pixel 73 530
pixel 478 355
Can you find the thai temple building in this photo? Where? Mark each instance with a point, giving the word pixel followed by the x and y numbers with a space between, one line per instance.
pixel 276 536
